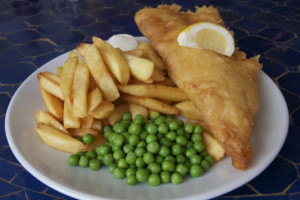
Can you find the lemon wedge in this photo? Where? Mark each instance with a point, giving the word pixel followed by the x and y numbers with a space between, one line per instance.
pixel 206 35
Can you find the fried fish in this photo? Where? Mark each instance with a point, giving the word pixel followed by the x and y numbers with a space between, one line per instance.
pixel 223 88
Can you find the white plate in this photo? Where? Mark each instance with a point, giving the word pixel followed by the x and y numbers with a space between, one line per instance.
pixel 50 166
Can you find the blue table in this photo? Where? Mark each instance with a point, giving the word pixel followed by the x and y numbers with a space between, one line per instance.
pixel 33 32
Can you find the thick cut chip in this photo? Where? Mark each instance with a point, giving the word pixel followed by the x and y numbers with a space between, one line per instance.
pixel 140 68
pixel 51 83
pixel 213 147
pixel 114 60
pixel 66 79
pixel 155 91
pixel 54 105
pixel 99 72
pixel 151 103
pixel 86 122
pixel 58 140
pixel 43 117
pixel 94 99
pixel 80 90
pixel 103 110
pixel 70 121
pixel 80 132
pixel 150 54
pixel 189 110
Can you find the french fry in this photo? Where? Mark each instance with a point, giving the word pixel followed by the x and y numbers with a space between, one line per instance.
pixel 66 79
pixel 57 139
pixel 118 113
pixel 213 147
pixel 86 122
pixel 43 117
pixel 94 99
pixel 189 110
pixel 99 72
pixel 150 54
pixel 152 104
pixel 51 83
pixel 155 91
pixel 53 105
pixel 80 90
pixel 59 71
pixel 79 132
pixel 136 109
pixel 70 121
pixel 114 60
pixel 135 52
pixel 74 54
pixel 97 125
pixel 140 68
pixel 92 84
pixel 158 75
pixel 103 110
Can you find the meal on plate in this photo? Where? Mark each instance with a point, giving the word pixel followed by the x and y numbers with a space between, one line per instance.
pixel 121 104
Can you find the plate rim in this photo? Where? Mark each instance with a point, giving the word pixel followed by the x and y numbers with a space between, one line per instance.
pixel 84 195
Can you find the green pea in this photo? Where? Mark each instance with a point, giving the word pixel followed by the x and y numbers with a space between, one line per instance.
pixel 135 128
pixel 151 128
pixel 73 160
pixel 154 168
pixel 164 151
pixel 151 138
pixel 189 144
pixel 165 177
pixel 163 128
pixel 170 158
pixel 84 161
pixel 127 116
pixel 205 165
pixel 210 159
pixel 119 128
pixel 168 165
pixel 173 125
pixel 122 163
pixel 179 122
pixel 166 142
pixel 128 148
pixel 195 159
pixel 176 149
pixel 140 151
pixel 190 151
pixel 119 140
pixel 199 146
pixel 171 135
pixel 142 175
pixel 153 147
pixel 143 135
pixel 130 158
pixel 159 120
pixel 148 158
pixel 196 170
pixel 181 140
pixel 176 178
pixel 91 154
pixel 139 162
pixel 159 159
pixel 80 139
pixel 133 140
pixel 142 144
pixel 131 180
pixel 180 131
pixel 94 164
pixel 80 153
pixel 196 138
pixel 88 138
pixel 180 159
pixel 130 171
pixel 119 173
pixel 118 154
pixel 102 150
pixel 111 167
pixel 154 115
pixel 116 148
pixel 198 129
pixel 154 180
pixel 188 128
pixel 108 159
pixel 181 169
pixel 106 128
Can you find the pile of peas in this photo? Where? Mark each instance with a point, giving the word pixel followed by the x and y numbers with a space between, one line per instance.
pixel 159 150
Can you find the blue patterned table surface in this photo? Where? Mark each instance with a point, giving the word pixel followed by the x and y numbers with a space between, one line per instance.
pixel 33 32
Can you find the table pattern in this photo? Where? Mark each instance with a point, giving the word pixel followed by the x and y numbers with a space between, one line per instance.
pixel 32 32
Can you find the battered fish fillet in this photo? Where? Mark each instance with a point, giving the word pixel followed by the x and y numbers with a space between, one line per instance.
pixel 224 88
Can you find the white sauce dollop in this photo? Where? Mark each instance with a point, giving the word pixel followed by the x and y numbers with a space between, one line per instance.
pixel 123 41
